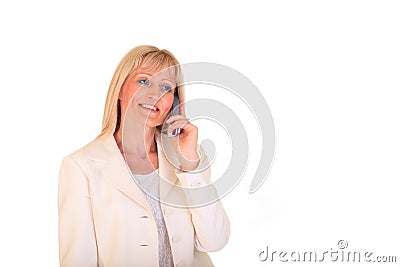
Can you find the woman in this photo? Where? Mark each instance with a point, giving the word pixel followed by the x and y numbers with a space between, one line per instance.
pixel 111 211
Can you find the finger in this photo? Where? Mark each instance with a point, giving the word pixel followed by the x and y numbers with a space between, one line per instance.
pixel 174 118
pixel 183 124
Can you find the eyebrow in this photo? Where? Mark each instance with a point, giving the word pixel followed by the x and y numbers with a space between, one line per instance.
pixel 148 74
pixel 142 73
pixel 167 81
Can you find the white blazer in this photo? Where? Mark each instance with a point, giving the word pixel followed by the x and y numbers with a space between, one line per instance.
pixel 105 219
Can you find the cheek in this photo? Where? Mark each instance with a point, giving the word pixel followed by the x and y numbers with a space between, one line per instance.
pixel 167 102
pixel 129 93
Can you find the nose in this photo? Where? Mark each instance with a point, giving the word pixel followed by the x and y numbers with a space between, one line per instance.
pixel 153 92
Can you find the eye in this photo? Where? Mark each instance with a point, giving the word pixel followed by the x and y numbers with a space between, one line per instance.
pixel 166 88
pixel 142 81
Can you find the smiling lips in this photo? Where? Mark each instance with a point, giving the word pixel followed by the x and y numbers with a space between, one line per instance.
pixel 149 107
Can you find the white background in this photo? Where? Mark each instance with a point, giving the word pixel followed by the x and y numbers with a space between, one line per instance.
pixel 329 71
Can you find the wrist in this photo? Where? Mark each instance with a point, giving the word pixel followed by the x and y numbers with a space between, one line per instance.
pixel 190 162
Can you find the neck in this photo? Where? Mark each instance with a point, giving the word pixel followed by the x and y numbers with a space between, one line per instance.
pixel 136 140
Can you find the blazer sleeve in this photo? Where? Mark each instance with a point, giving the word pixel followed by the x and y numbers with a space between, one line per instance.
pixel 77 242
pixel 211 224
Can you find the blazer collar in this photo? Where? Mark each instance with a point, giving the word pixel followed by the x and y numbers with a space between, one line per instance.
pixel 105 151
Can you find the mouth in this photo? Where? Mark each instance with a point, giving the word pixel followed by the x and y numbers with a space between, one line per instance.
pixel 149 107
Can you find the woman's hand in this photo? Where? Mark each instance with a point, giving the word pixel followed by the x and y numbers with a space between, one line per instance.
pixel 185 143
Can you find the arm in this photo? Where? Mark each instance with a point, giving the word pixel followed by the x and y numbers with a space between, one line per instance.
pixel 77 242
pixel 210 221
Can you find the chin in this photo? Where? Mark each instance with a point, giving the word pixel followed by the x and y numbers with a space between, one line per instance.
pixel 153 124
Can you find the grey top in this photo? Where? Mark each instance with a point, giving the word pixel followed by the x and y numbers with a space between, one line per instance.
pixel 149 184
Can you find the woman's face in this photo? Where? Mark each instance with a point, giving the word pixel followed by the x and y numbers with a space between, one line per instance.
pixel 146 97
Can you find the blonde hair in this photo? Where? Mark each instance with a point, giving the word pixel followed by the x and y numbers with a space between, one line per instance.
pixel 144 56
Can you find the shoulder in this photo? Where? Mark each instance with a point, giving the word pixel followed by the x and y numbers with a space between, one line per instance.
pixel 98 149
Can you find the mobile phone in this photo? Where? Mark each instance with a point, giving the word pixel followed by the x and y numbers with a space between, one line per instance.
pixel 175 111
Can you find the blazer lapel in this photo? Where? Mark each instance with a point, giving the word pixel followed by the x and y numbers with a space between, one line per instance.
pixel 105 151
